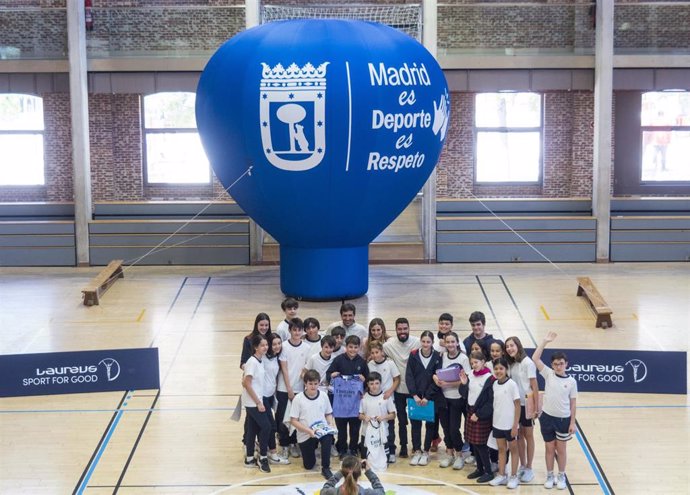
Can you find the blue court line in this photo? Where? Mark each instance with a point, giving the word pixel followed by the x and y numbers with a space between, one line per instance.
pixel 592 464
pixel 85 482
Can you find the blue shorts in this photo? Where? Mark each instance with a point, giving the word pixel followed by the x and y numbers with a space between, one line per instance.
pixel 554 428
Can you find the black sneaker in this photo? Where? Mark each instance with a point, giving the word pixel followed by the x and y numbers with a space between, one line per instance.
pixel 341 455
pixel 474 475
pixel 403 453
pixel 485 478
pixel 327 473
pixel 249 463
pixel 263 465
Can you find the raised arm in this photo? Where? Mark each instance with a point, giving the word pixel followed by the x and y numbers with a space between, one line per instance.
pixel 376 485
pixel 536 357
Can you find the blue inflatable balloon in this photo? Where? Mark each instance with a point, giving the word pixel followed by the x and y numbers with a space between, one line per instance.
pixel 341 121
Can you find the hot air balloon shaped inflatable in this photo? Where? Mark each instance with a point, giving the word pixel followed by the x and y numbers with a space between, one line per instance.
pixel 342 123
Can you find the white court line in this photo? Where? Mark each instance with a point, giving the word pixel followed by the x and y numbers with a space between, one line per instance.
pixel 268 478
pixel 31 342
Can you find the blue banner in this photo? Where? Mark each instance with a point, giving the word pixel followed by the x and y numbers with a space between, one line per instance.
pixel 640 372
pixel 79 372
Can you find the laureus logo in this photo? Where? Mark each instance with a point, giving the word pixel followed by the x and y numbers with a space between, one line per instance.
pixel 639 370
pixel 112 368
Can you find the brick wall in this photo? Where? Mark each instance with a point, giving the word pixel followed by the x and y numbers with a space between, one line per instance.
pixel 38 28
pixel 179 27
pixel 567 157
pixel 652 26
pixel 471 25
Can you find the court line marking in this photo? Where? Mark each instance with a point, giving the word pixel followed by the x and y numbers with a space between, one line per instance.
pixel 598 471
pixel 100 447
pixel 167 374
pixel 32 341
pixel 486 298
pixel 186 332
pixel 93 462
pixel 141 315
pixel 543 311
pixel 252 482
pixel 593 461
pixel 136 444
pixel 522 318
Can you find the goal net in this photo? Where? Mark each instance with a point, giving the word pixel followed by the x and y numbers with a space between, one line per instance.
pixel 406 18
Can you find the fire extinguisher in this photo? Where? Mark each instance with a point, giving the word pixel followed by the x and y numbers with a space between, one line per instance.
pixel 88 14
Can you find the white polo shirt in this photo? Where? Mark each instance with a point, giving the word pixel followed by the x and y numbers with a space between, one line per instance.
pixel 558 391
pixel 254 368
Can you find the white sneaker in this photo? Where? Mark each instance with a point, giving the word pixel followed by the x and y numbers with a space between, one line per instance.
pixel 521 470
pixel 549 481
pixel 560 483
pixel 423 459
pixel 284 452
pixel 274 458
pixel 513 482
pixel 415 459
pixel 527 475
pixel 494 467
pixel 459 463
pixel 446 461
pixel 470 459
pixel 294 451
pixel 391 459
pixel 499 480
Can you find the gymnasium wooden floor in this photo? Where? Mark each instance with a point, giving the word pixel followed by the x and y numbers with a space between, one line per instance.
pixel 180 440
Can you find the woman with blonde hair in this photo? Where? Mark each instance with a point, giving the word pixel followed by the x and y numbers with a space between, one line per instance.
pixel 377 333
pixel 351 469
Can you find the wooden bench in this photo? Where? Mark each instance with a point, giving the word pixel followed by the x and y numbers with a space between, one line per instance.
pixel 102 282
pixel 586 288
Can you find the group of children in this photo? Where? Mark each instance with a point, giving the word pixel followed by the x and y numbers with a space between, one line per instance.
pixel 348 379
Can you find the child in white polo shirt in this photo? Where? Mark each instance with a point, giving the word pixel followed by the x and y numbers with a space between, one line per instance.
pixel 505 423
pixel 312 416
pixel 557 420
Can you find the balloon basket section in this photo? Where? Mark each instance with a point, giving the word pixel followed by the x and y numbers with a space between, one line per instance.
pixel 324 274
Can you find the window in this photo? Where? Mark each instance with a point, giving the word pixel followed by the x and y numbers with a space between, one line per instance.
pixel 508 137
pixel 173 150
pixel 21 140
pixel 665 125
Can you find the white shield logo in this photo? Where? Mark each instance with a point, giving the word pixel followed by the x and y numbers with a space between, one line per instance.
pixel 292 115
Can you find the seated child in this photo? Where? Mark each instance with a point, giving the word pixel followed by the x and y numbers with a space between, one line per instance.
pixel 312 416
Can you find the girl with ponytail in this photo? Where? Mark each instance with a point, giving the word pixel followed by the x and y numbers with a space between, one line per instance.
pixel 351 469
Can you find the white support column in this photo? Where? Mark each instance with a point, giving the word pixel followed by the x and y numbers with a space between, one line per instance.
pixel 79 106
pixel 252 15
pixel 429 39
pixel 603 125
